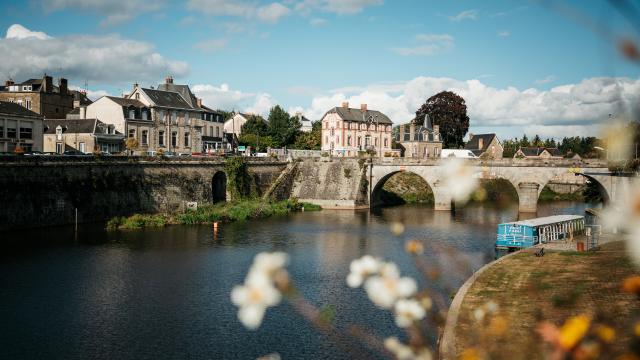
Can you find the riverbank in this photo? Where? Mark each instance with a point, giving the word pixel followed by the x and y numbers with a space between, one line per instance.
pixel 527 289
pixel 206 214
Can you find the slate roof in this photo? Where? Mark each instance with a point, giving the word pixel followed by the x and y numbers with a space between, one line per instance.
pixel 358 115
pixel 80 126
pixel 474 142
pixel 10 108
pixel 554 151
pixel 167 99
pixel 183 90
pixel 127 102
pixel 532 151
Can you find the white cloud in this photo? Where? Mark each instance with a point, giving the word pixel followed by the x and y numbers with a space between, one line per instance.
pixel 464 15
pixel 270 13
pixel 547 79
pixel 430 44
pixel 224 98
pixel 109 59
pixel 212 45
pixel 317 22
pixel 116 11
pixel 577 108
pixel 341 7
pixel 17 31
pixel 504 33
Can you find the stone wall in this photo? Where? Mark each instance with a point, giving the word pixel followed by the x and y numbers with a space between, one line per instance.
pixel 47 194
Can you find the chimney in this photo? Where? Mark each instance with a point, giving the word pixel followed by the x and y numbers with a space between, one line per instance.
pixel 83 112
pixel 47 84
pixel 9 83
pixel 345 104
pixel 62 86
pixel 363 107
pixel 135 86
pixel 76 104
pixel 480 144
pixel 199 102
pixel 169 80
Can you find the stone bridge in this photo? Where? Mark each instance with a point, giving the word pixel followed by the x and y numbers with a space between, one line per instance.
pixel 528 177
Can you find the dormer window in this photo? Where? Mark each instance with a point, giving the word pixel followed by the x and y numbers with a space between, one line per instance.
pixel 144 114
pixel 59 132
pixel 137 96
pixel 132 114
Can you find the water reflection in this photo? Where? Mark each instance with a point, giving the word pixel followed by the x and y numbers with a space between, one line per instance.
pixel 164 293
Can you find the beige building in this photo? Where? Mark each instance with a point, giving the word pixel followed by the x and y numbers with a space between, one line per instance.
pixel 19 127
pixel 83 135
pixel 420 140
pixel 538 153
pixel 347 131
pixel 485 146
pixel 40 96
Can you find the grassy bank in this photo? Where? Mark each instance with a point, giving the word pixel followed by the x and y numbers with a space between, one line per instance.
pixel 223 212
pixel 553 287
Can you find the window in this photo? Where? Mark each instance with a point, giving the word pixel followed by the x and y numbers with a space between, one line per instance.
pixel 161 115
pixel 174 139
pixel 83 147
pixel 58 133
pixel 59 148
pixel 132 114
pixel 376 142
pixel 332 131
pixel 26 132
pixel 349 140
pixel 137 96
pixel 187 120
pixel 359 140
pixel 27 103
pixel 217 132
pixel 161 138
pixel 11 129
pixel 1 129
pixel 186 139
pixel 132 133
pixel 145 116
pixel 386 142
pixel 19 102
pixel 174 118
pixel 145 137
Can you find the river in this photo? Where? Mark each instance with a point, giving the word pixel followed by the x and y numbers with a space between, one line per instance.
pixel 164 293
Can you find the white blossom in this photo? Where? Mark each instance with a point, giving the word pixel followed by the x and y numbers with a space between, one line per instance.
pixel 361 269
pixel 269 263
pixel 408 311
pixel 459 179
pixel 385 289
pixel 405 352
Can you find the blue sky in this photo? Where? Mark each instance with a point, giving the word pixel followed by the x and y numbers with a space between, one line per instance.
pixel 538 67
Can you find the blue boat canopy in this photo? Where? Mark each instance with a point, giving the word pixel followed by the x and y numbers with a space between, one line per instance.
pixel 526 233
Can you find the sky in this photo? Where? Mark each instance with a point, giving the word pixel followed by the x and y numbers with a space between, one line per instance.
pixel 544 67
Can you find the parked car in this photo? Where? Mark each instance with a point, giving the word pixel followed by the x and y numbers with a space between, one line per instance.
pixel 34 153
pixel 184 155
pixel 75 153
pixel 464 154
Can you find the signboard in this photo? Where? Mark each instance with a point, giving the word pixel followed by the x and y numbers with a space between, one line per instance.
pixel 514 230
pixel 242 148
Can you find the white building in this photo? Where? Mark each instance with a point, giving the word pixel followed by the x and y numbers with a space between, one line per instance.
pixel 234 125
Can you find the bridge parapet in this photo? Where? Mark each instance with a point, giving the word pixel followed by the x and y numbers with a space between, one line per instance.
pixel 584 163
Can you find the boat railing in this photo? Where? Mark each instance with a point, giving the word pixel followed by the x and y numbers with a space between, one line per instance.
pixel 516 240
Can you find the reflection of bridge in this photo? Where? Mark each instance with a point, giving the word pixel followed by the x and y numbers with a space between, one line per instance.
pixel 528 177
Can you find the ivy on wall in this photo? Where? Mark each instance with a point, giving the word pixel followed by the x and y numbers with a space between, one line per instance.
pixel 239 180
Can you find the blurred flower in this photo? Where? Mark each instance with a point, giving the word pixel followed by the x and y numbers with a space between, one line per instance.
pixel 274 356
pixel 397 228
pixel 636 329
pixel 470 354
pixel 459 179
pixel 631 284
pixel 414 247
pixel 497 325
pixel 361 269
pixel 269 263
pixel 426 302
pixel 388 287
pixel 492 307
pixel 587 350
pixel 405 352
pixel 408 311
pixel 478 314
pixel 253 298
pixel 617 140
pixel 625 214
pixel 573 330
pixel 606 333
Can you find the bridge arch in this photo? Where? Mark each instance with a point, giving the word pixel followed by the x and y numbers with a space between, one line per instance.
pixel 378 192
pixel 219 187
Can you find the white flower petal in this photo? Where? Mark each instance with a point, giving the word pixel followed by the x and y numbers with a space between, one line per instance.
pixel 354 280
pixel 251 316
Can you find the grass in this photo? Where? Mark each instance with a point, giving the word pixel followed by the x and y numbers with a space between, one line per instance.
pixel 206 214
pixel 550 195
pixel 553 287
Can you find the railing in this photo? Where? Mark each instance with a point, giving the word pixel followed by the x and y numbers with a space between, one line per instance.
pixel 516 240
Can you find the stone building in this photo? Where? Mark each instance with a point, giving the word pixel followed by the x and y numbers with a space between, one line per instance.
pixel 306 125
pixel 485 146
pixel 84 135
pixel 538 153
pixel 347 131
pixel 19 127
pixel 420 140
pixel 40 96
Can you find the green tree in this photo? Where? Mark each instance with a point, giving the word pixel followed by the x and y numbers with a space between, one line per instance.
pixel 449 111
pixel 255 125
pixel 524 142
pixel 131 144
pixel 282 127
pixel 537 141
pixel 258 142
pixel 311 140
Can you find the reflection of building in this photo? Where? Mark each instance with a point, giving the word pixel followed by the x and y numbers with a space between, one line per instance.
pixel 19 127
pixel 84 135
pixel 538 153
pixel 485 145
pixel 347 131
pixel 420 140
pixel 40 96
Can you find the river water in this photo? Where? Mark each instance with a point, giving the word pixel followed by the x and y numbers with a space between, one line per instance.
pixel 164 293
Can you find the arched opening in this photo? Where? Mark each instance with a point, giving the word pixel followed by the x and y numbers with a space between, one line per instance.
pixel 399 188
pixel 496 192
pixel 219 187
pixel 580 188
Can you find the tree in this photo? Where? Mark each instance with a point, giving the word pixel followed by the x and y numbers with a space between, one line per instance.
pixel 524 142
pixel 537 141
pixel 258 142
pixel 282 127
pixel 255 125
pixel 131 144
pixel 449 111
pixel 311 140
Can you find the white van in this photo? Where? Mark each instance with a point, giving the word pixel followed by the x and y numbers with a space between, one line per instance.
pixel 464 154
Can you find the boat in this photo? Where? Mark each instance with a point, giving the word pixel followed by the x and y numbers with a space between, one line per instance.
pixel 526 233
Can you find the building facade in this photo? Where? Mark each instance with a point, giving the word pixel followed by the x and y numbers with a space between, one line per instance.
pixel 84 135
pixel 19 128
pixel 40 96
pixel 420 140
pixel 485 146
pixel 347 132
pixel 538 153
